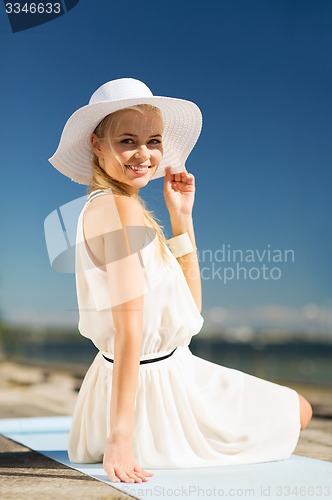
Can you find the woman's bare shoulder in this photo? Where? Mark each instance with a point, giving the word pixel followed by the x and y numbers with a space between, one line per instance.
pixel 109 211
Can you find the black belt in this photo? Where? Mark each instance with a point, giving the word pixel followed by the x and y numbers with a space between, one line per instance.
pixel 147 360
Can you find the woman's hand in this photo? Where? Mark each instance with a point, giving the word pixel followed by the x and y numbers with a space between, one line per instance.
pixel 179 192
pixel 119 462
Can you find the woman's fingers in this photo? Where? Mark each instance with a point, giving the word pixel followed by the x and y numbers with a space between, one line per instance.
pixel 124 478
pixel 184 181
pixel 180 177
pixel 184 177
pixel 168 180
pixel 137 475
pixel 123 475
pixel 134 476
pixel 111 475
pixel 190 179
pixel 142 471
pixel 141 476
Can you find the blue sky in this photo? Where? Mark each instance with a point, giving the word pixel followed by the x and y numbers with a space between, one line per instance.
pixel 261 73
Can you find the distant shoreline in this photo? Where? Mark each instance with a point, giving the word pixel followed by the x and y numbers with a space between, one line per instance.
pixel 269 357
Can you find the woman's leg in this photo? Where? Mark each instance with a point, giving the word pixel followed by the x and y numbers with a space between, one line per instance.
pixel 305 412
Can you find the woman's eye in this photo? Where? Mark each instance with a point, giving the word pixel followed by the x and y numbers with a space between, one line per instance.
pixel 131 141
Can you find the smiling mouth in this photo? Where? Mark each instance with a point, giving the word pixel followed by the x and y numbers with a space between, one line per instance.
pixel 138 169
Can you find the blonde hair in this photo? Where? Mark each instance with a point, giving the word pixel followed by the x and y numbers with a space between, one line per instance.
pixel 102 180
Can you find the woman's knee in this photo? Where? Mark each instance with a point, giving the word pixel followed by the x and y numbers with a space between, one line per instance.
pixel 305 412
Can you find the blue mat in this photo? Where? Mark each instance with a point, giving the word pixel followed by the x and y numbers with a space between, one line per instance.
pixel 296 478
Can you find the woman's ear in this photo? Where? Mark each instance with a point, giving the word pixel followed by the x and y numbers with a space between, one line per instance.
pixel 95 144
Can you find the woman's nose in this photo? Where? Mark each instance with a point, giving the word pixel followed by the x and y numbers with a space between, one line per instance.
pixel 142 152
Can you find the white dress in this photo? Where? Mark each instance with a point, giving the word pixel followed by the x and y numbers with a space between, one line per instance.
pixel 189 412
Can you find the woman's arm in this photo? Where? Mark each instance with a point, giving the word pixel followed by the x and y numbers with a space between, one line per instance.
pixel 179 193
pixel 119 461
pixel 182 223
pixel 113 216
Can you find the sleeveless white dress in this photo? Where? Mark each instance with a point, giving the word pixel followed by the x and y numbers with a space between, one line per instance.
pixel 189 412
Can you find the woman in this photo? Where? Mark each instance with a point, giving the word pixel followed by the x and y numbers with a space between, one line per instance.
pixel 146 400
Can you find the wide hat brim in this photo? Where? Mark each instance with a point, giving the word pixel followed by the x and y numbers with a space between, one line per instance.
pixel 182 127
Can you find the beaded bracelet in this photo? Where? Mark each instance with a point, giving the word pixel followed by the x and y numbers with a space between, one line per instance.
pixel 180 245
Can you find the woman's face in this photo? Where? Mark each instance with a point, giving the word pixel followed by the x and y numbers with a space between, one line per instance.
pixel 136 148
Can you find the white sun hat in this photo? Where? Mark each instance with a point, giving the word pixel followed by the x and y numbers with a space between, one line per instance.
pixel 182 127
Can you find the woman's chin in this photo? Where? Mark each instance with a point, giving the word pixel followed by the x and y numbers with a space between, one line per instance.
pixel 141 180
